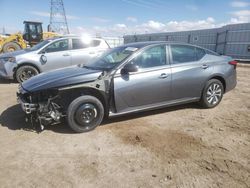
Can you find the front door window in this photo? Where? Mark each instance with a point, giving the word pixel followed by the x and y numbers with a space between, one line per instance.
pixel 152 57
pixel 58 46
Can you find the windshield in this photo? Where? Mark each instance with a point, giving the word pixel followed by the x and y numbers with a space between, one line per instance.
pixel 39 45
pixel 112 58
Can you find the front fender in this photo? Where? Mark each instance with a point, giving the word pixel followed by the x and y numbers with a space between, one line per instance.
pixel 30 64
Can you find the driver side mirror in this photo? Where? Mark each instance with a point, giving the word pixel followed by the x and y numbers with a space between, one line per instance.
pixel 42 52
pixel 129 68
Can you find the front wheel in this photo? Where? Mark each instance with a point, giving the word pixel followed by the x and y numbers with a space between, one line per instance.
pixel 25 72
pixel 212 93
pixel 85 113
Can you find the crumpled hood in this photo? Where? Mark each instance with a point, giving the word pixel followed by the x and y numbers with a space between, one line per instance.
pixel 60 77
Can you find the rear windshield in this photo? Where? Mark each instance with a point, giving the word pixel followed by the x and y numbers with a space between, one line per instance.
pixel 210 52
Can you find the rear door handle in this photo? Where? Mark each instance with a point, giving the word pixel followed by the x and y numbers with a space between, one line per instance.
pixel 163 75
pixel 66 55
pixel 91 52
pixel 204 66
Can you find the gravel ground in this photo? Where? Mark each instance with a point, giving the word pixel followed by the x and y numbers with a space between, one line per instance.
pixel 182 146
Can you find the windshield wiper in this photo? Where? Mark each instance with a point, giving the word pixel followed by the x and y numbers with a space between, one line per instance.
pixel 96 68
pixel 88 67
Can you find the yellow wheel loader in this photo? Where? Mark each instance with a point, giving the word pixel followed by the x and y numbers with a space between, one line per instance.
pixel 33 34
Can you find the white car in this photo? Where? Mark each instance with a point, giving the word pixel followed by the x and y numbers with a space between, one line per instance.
pixel 50 54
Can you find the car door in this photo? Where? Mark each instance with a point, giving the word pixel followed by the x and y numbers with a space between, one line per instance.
pixel 150 85
pixel 82 51
pixel 190 71
pixel 56 55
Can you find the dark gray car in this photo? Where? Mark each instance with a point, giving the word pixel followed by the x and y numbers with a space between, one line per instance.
pixel 127 79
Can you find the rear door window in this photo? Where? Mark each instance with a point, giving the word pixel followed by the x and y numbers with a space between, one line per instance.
pixel 185 53
pixel 95 43
pixel 79 44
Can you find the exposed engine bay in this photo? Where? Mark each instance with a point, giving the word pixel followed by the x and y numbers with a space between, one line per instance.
pixel 49 106
pixel 41 109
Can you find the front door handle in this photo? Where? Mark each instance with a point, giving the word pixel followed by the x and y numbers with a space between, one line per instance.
pixel 204 66
pixel 163 75
pixel 65 55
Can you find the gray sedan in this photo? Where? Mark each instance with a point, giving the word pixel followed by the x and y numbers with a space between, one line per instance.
pixel 128 79
pixel 50 54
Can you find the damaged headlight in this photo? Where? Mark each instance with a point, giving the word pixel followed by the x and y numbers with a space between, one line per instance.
pixel 20 89
pixel 9 59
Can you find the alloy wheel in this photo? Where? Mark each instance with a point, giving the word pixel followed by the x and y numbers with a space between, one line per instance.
pixel 26 74
pixel 214 93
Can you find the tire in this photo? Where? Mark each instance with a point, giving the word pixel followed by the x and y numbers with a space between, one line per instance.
pixel 25 72
pixel 10 47
pixel 85 113
pixel 212 94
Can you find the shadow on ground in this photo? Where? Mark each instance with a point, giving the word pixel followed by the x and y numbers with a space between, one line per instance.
pixel 14 118
pixel 6 81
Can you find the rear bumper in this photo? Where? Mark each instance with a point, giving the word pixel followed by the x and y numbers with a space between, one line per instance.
pixel 231 81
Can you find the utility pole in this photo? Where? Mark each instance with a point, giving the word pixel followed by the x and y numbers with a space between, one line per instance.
pixel 58 20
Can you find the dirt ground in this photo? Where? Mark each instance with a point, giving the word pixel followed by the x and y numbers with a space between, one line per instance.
pixel 182 146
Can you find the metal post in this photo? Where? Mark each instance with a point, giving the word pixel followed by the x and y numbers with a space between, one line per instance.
pixel 225 42
pixel 135 38
pixel 216 41
pixel 189 37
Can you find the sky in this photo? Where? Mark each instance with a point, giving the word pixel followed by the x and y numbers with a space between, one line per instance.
pixel 121 17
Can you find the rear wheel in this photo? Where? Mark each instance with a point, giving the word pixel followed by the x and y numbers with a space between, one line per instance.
pixel 85 113
pixel 212 93
pixel 11 46
pixel 25 72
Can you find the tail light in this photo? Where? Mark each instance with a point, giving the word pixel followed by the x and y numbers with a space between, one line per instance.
pixel 234 63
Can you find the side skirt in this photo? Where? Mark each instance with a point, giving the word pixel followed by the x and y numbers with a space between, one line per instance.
pixel 154 106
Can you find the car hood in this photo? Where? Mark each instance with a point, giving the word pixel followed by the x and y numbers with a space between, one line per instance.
pixel 60 78
pixel 14 54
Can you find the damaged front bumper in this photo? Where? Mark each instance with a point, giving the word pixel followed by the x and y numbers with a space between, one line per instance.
pixel 28 108
pixel 7 69
pixel 31 114
pixel 39 114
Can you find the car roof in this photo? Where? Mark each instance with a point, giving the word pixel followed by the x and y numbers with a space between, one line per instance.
pixel 148 43
pixel 73 36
